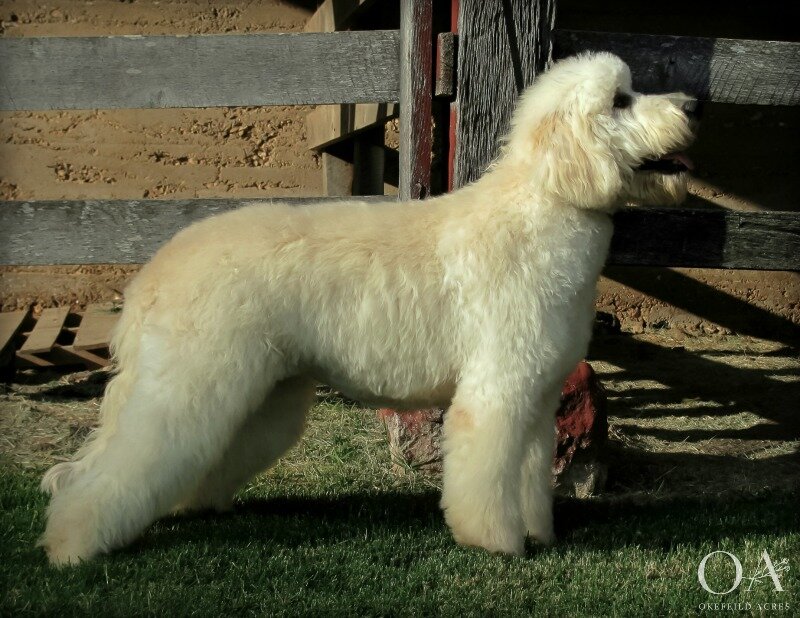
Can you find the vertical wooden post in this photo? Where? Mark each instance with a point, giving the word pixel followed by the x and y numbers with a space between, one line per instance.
pixel 416 92
pixel 502 46
pixel 337 175
pixel 453 107
pixel 368 163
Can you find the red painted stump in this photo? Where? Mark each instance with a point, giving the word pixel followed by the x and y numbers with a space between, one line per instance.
pixel 581 423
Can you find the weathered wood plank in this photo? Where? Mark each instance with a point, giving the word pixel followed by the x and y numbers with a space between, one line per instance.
pixel 198 71
pixel 707 238
pixel 60 356
pixel 721 70
pixel 329 124
pixel 95 328
pixel 502 46
pixel 26 361
pixel 70 354
pixel 10 326
pixel 416 94
pixel 119 231
pixel 46 331
pixel 100 232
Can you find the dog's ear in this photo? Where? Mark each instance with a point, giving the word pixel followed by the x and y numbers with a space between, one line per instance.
pixel 574 159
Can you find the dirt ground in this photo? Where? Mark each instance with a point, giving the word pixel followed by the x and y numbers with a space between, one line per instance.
pixel 705 414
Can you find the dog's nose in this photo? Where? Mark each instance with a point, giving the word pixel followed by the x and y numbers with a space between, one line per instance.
pixel 692 108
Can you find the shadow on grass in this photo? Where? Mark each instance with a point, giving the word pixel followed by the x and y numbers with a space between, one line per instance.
pixel 688 375
pixel 303 521
pixel 64 386
pixel 634 473
pixel 610 524
pixel 605 524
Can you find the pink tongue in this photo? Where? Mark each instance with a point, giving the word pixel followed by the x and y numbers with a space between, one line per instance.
pixel 681 158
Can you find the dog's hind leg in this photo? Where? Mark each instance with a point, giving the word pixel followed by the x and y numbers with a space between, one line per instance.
pixel 264 437
pixel 537 475
pixel 483 446
pixel 182 412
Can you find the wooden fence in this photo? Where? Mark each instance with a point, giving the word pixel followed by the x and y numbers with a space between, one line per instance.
pixel 501 47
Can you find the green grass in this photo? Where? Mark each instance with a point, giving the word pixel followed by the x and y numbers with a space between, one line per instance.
pixel 331 531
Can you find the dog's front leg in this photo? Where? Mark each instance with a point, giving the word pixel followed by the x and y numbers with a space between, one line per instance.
pixel 537 475
pixel 484 442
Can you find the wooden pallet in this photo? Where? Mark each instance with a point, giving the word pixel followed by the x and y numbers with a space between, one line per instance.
pixel 57 338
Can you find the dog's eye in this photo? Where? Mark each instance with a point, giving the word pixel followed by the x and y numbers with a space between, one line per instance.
pixel 622 100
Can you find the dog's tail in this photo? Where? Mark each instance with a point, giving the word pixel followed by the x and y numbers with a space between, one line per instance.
pixel 125 342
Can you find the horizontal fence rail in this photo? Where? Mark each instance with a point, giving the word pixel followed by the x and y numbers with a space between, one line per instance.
pixel 707 238
pixel 720 70
pixel 199 71
pixel 130 231
pixel 108 231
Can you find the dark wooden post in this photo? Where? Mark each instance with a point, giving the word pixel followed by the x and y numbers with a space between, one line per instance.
pixel 416 93
pixel 369 162
pixel 502 46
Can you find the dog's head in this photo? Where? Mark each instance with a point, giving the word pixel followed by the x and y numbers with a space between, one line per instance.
pixel 588 138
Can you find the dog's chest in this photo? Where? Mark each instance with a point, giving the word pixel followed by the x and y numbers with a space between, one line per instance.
pixel 542 261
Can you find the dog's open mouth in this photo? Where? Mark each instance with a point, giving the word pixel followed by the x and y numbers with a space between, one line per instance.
pixel 672 163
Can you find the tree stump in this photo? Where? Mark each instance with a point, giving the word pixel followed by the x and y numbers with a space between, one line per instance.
pixel 581 426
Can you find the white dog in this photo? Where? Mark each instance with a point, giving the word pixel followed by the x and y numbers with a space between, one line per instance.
pixel 480 300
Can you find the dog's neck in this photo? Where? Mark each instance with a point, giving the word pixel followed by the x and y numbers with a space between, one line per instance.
pixel 510 182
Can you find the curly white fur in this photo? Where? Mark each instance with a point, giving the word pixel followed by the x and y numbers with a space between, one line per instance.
pixel 481 300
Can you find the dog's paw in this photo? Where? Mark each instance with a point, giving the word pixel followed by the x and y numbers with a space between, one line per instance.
pixel 201 502
pixel 487 533
pixel 63 552
pixel 513 545
pixel 546 538
pixel 60 558
pixel 541 530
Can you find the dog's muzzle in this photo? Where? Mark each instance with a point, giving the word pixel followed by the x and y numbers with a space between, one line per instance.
pixel 676 162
